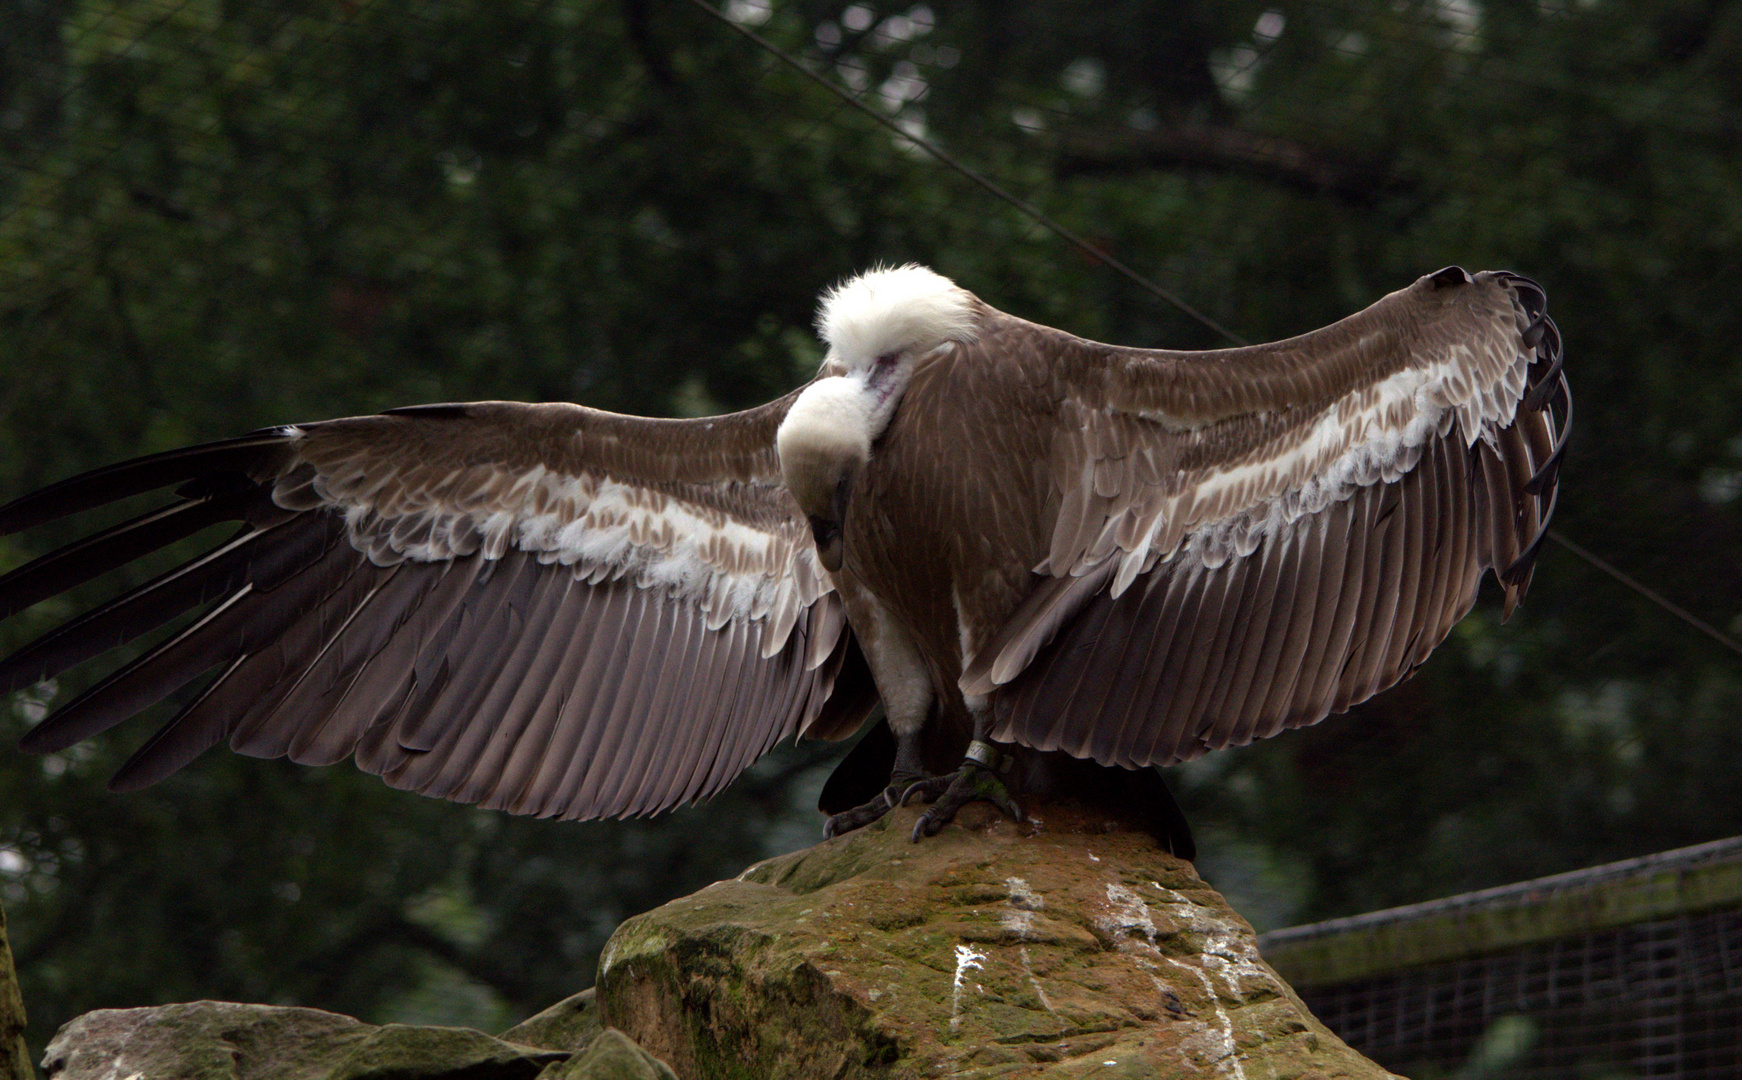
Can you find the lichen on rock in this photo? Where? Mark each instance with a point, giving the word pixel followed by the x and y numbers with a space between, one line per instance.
pixel 1069 945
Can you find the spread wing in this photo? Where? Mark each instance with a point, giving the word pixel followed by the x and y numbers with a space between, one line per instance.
pixel 1251 539
pixel 540 608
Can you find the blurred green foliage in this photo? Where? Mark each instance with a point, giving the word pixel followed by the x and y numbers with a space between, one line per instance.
pixel 221 214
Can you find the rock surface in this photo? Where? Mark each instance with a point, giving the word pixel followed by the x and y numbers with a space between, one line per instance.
pixel 216 1040
pixel 1065 947
pixel 14 1058
pixel 600 1053
pixel 612 1056
pixel 569 1025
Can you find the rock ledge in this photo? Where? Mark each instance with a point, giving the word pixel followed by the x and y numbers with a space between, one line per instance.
pixel 1064 947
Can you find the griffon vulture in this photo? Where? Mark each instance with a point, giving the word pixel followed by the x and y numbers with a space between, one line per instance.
pixel 1006 535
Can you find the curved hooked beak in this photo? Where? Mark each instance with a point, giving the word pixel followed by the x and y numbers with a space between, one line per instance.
pixel 826 531
pixel 827 534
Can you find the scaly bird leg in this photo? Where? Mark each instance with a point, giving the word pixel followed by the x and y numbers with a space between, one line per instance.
pixel 908 770
pixel 977 778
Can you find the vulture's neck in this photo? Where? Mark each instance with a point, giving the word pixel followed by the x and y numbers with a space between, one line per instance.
pixel 878 327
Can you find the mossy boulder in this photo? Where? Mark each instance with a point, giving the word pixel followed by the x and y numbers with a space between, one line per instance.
pixel 14 1057
pixel 217 1040
pixel 611 1055
pixel 568 1025
pixel 600 1053
pixel 1067 946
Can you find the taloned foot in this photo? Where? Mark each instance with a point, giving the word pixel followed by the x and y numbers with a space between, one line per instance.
pixel 866 813
pixel 975 780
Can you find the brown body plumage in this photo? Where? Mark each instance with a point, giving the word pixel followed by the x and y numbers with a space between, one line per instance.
pixel 1131 556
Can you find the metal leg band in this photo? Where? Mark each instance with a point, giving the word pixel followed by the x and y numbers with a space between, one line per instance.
pixel 983 754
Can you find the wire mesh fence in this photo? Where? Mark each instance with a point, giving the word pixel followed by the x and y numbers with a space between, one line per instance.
pixel 1625 970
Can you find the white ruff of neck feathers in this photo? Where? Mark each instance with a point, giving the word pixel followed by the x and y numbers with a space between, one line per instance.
pixel 907 309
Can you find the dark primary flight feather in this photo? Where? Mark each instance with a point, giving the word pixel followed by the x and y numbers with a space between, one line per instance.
pixel 545 609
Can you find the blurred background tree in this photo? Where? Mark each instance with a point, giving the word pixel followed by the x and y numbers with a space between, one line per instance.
pixel 220 215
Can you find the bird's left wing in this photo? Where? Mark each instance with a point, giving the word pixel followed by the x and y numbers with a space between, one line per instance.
pixel 1250 539
pixel 541 608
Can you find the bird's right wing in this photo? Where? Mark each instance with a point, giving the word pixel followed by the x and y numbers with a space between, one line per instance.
pixel 1250 539
pixel 545 609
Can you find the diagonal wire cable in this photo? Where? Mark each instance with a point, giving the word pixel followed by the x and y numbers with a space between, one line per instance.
pixel 951 161
pixel 1649 593
pixel 1071 237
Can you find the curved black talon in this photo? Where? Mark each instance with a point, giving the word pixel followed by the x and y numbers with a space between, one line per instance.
pixel 860 816
pixel 930 788
pixel 967 784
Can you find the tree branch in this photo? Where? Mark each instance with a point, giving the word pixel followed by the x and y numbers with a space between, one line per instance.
pixel 1092 151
